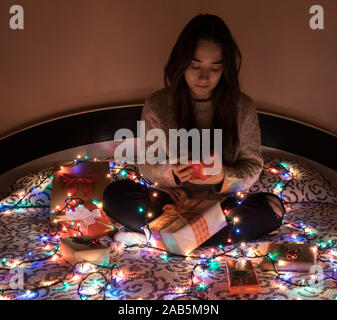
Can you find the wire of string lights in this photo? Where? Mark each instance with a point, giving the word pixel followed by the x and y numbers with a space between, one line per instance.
pixel 107 286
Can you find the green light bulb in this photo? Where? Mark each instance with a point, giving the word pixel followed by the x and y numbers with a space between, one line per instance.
pixel 279 185
pixel 123 173
pixel 202 286
pixel 284 164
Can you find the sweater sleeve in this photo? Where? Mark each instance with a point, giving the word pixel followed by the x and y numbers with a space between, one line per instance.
pixel 160 173
pixel 247 169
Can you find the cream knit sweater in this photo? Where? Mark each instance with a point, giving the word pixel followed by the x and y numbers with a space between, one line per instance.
pixel 158 113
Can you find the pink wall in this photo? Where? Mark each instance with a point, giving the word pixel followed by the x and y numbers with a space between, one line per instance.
pixel 74 55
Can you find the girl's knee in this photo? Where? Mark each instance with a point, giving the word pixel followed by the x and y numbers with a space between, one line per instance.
pixel 124 194
pixel 266 197
pixel 276 205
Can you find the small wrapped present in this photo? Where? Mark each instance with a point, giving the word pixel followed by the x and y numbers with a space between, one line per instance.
pixel 186 225
pixel 241 277
pixel 77 249
pixel 289 257
pixel 78 190
pixel 198 171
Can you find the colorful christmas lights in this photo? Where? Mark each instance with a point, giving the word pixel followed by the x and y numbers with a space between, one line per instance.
pixel 106 286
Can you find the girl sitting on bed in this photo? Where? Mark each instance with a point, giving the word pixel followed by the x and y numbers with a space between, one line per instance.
pixel 202 91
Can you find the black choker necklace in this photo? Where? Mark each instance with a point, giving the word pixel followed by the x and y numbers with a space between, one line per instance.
pixel 202 100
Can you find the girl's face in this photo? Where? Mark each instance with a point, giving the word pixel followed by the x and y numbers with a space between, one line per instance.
pixel 205 69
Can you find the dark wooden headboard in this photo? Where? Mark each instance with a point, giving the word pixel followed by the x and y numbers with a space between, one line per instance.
pixel 99 126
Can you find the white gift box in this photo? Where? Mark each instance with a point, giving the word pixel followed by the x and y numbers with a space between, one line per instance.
pixel 178 236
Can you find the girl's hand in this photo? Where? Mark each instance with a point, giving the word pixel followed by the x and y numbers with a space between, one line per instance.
pixel 184 172
pixel 216 172
pixel 213 179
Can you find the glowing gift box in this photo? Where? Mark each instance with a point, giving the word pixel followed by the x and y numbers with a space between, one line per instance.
pixel 242 277
pixel 77 249
pixel 289 257
pixel 76 184
pixel 183 227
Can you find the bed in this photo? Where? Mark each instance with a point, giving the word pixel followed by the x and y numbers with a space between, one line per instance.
pixel 143 273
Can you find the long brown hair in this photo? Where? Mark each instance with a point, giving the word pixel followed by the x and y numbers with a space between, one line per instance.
pixel 227 92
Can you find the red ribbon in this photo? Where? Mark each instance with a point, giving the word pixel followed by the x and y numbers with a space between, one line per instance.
pixel 72 183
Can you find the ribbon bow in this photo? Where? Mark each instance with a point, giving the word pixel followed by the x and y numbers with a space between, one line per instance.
pixel 292 254
pixel 180 209
pixel 85 216
pixel 72 183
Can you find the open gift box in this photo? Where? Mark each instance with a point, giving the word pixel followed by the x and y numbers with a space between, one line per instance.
pixel 77 249
pixel 76 198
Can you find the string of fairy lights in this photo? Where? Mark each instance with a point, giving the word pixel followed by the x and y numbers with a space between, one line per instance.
pixel 109 275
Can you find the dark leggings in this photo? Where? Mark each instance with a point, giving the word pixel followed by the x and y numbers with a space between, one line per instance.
pixel 127 203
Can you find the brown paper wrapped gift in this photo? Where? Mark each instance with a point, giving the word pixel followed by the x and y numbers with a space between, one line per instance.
pixel 241 277
pixel 85 181
pixel 186 225
pixel 289 257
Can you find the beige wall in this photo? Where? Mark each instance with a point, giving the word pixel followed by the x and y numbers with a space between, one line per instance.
pixel 75 55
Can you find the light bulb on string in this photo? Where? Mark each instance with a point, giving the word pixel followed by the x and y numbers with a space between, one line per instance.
pixel 284 164
pixel 140 209
pixel 164 257
pixel 273 171
pixel 202 286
